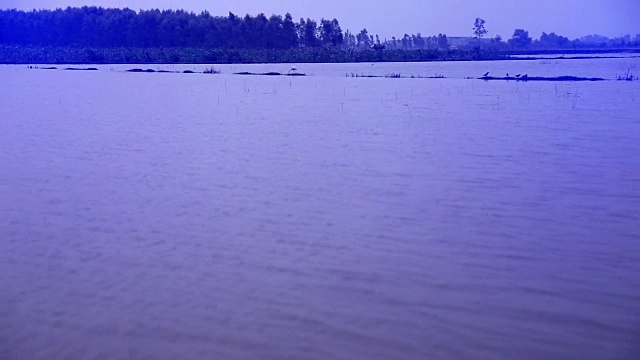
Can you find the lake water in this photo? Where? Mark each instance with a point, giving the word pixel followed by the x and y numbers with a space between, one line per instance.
pixel 190 216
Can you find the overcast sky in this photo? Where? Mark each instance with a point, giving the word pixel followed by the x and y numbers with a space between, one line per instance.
pixel 571 18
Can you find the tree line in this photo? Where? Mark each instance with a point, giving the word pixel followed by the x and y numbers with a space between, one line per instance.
pixel 100 27
pixel 97 27
pixel 521 40
pixel 364 40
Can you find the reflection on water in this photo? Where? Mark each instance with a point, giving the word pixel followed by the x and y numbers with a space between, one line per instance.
pixel 171 216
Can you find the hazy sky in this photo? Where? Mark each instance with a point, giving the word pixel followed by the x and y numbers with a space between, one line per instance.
pixel 571 18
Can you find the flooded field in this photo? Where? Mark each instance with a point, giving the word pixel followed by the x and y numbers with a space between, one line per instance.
pixel 193 216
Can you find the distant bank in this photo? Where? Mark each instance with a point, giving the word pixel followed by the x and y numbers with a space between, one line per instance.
pixel 74 55
pixel 601 51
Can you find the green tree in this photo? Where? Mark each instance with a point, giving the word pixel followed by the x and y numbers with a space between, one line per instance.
pixel 311 34
pixel 97 27
pixel 406 42
pixel 289 32
pixel 478 28
pixel 553 41
pixel 520 39
pixel 443 43
pixel 331 33
pixel 363 39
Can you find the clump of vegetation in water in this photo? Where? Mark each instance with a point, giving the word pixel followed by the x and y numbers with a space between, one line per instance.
pixel 141 70
pixel 81 69
pixel 42 68
pixel 436 76
pixel 356 75
pixel 211 70
pixel 526 78
pixel 271 73
pixel 628 76
pixel 395 76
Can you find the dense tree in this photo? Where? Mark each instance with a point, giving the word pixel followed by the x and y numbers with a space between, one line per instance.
pixel 310 34
pixel 96 28
pixel 406 42
pixel 443 43
pixel 350 40
pixel 99 27
pixel 520 39
pixel 331 33
pixel 416 42
pixel 289 32
pixel 553 41
pixel 363 39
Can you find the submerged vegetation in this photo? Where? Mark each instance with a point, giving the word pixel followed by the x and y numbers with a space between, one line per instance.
pixel 394 76
pixel 628 76
pixel 211 70
pixel 206 71
pixel 542 78
pixel 81 69
pixel 141 70
pixel 271 73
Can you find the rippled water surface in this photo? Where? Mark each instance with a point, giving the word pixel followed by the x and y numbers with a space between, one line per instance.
pixel 190 216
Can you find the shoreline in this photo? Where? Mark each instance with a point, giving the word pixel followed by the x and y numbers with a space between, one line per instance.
pixel 26 55
pixel 18 62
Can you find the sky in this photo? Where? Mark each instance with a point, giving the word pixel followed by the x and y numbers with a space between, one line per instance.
pixel 571 18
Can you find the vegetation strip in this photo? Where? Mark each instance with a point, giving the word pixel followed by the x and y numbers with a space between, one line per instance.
pixel 269 74
pixel 12 54
pixel 540 78
pixel 81 69
pixel 395 76
pixel 628 76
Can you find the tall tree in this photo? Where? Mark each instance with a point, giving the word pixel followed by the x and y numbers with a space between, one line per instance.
pixel 363 39
pixel 330 33
pixel 311 34
pixel 406 42
pixel 443 42
pixel 337 38
pixel 289 32
pixel 478 28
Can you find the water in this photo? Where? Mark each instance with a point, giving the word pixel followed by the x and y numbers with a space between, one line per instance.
pixel 602 68
pixel 166 216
